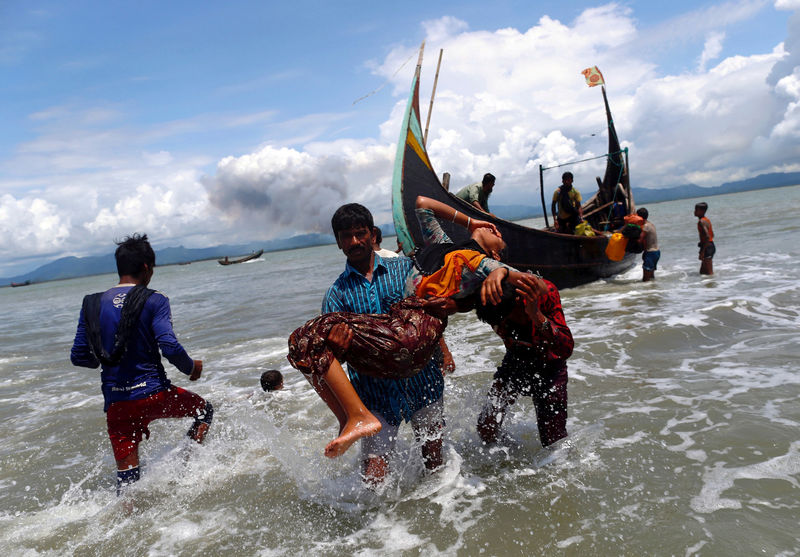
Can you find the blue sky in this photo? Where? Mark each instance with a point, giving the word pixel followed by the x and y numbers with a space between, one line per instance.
pixel 207 123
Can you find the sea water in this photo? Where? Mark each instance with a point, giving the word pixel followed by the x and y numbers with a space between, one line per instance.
pixel 684 419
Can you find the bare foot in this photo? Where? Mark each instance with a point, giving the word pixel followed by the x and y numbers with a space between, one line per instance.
pixel 353 430
pixel 198 433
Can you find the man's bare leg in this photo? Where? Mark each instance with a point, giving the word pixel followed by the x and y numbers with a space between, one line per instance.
pixel 359 422
pixel 200 433
pixel 375 470
pixel 432 454
pixel 431 448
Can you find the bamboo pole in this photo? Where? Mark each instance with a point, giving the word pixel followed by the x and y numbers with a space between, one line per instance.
pixel 541 191
pixel 433 92
pixel 600 208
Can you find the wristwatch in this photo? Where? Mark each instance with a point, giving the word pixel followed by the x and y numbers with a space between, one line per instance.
pixel 544 326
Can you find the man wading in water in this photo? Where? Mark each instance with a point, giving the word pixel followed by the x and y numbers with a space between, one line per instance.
pixel 123 329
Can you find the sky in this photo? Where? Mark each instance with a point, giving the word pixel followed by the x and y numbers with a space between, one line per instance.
pixel 207 123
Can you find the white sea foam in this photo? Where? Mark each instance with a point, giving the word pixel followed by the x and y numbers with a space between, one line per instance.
pixel 721 478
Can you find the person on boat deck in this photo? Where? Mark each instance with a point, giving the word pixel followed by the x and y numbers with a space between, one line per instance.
pixel 650 252
pixel 538 342
pixel 706 244
pixel 477 194
pixel 619 209
pixel 568 200
pixel 389 350
pixel 383 252
pixel 123 330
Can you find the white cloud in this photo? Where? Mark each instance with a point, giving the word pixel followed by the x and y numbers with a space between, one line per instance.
pixel 787 4
pixel 437 30
pixel 711 49
pixel 31 225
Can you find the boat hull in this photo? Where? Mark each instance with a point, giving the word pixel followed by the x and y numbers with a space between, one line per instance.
pixel 241 260
pixel 563 259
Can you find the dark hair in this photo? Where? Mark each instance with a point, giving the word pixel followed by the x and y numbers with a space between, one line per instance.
pixel 702 205
pixel 351 215
pixel 133 252
pixel 642 212
pixel 271 379
pixel 494 314
pixel 567 175
pixel 378 235
pixel 488 178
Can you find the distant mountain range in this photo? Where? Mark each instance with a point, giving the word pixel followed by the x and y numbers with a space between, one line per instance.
pixel 71 267
pixel 687 191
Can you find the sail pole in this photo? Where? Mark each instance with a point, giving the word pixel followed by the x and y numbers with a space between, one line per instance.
pixel 433 93
pixel 627 173
pixel 541 191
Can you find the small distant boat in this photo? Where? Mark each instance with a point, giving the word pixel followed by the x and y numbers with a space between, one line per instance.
pixel 15 284
pixel 227 261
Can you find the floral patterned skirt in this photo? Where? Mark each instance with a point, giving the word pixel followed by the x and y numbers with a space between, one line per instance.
pixel 395 345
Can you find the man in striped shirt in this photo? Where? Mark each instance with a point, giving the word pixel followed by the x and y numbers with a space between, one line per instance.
pixel 371 284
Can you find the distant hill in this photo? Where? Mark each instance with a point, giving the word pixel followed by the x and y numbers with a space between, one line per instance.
pixel 762 181
pixel 515 212
pixel 71 267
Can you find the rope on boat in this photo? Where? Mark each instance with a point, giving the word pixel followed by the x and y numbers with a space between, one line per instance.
pixel 359 99
pixel 585 160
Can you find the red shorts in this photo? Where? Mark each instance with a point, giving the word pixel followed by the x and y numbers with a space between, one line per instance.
pixel 128 419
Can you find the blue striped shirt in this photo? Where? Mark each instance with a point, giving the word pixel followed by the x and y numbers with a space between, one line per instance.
pixel 395 399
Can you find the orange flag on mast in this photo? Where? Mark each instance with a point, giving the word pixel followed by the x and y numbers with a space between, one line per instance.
pixel 593 76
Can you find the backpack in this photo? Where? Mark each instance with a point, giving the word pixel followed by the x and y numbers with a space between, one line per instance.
pixel 565 203
pixel 131 311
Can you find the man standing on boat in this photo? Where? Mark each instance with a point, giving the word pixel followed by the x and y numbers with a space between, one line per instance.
pixel 477 194
pixel 568 200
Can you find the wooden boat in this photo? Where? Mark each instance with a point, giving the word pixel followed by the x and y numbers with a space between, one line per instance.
pixel 564 259
pixel 250 257
pixel 16 284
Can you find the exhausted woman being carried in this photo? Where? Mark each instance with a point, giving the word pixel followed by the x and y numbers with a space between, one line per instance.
pixel 400 343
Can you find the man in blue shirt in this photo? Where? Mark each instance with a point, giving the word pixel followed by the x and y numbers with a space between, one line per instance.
pixel 123 329
pixel 371 284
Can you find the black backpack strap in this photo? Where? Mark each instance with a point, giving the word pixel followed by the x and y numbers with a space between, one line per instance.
pixel 565 202
pixel 131 311
pixel 91 315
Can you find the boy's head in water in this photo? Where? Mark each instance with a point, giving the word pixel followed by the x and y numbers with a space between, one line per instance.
pixel 272 380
